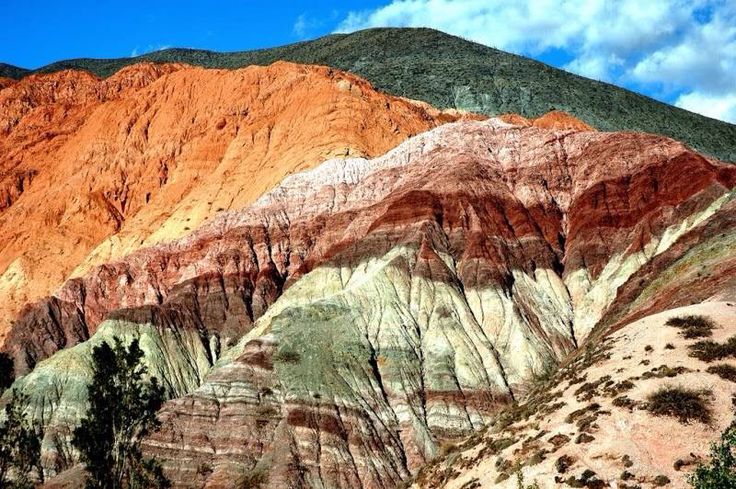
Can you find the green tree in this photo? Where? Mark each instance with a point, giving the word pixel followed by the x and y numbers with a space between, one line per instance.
pixel 7 371
pixel 721 472
pixel 122 411
pixel 20 447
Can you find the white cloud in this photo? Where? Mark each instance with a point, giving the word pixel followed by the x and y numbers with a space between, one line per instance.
pixel 148 49
pixel 705 55
pixel 300 26
pixel 661 46
pixel 715 106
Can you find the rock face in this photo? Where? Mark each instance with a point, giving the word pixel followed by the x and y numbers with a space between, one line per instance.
pixel 93 169
pixel 362 312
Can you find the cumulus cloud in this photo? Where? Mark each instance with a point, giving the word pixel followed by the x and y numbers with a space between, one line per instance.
pixel 664 47
pixel 715 106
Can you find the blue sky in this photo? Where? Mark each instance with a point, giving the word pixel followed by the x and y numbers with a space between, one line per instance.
pixel 679 51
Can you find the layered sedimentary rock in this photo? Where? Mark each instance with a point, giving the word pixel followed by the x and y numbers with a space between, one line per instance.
pixel 93 169
pixel 362 312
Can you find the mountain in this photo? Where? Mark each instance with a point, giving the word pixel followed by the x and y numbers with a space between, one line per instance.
pixel 339 287
pixel 13 72
pixel 348 324
pixel 91 170
pixel 450 72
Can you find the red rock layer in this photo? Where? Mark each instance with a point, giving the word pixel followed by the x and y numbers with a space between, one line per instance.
pixel 480 204
pixel 92 169
pixel 577 199
pixel 493 212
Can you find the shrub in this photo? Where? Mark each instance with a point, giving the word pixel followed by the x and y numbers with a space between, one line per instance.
pixel 724 371
pixel 287 356
pixel 520 484
pixel 7 371
pixel 721 472
pixel 584 438
pixel 661 480
pixel 622 401
pixel 563 463
pixel 681 403
pixel 204 469
pixel 252 479
pixel 693 326
pixel 708 350
pixel 626 460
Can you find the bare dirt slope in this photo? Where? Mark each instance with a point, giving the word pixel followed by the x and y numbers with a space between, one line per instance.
pixel 594 415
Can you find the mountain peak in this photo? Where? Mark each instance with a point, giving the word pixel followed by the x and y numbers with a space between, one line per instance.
pixel 450 72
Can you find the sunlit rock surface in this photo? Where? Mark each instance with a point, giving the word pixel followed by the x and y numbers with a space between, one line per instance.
pixel 366 310
pixel 92 170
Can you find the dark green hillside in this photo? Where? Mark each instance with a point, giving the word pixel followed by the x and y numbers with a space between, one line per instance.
pixel 10 71
pixel 448 71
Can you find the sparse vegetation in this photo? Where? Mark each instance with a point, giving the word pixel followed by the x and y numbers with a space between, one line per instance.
pixel 623 401
pixel 680 402
pixel 664 371
pixel 584 438
pixel 724 371
pixel 661 480
pixel 579 413
pixel 709 351
pixel 693 326
pixel 252 479
pixel 587 479
pixel 473 483
pixel 521 484
pixel 563 463
pixel 559 440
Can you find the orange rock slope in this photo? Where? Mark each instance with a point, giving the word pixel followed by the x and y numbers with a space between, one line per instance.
pixel 555 119
pixel 92 169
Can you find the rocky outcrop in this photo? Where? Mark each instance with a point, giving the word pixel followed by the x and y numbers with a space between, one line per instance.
pixel 362 312
pixel 91 170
